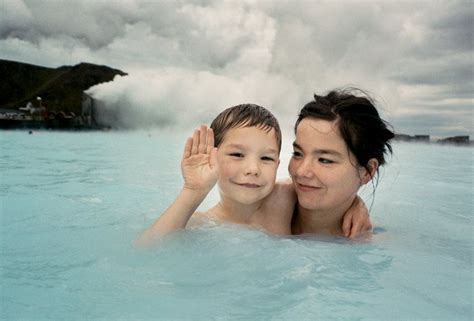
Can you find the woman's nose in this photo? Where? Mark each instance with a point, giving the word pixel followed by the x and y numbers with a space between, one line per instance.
pixel 304 168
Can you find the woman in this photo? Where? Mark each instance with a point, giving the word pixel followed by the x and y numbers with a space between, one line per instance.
pixel 340 143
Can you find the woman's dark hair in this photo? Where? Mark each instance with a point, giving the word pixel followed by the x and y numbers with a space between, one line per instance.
pixel 364 132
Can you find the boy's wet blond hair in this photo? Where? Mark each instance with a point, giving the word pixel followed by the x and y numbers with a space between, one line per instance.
pixel 245 115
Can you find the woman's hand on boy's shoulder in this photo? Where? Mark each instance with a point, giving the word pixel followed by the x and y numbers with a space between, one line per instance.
pixel 356 221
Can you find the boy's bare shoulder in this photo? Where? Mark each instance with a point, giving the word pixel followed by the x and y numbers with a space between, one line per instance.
pixel 200 218
pixel 283 192
pixel 279 207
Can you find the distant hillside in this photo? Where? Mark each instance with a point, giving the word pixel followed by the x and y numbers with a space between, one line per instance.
pixel 60 88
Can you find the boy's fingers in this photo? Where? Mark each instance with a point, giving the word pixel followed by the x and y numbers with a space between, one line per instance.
pixel 210 140
pixel 202 139
pixel 194 149
pixel 187 148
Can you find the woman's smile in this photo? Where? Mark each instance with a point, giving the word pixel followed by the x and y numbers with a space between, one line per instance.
pixel 307 188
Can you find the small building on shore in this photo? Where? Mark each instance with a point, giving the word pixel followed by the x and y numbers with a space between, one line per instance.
pixel 460 140
pixel 414 138
pixel 38 116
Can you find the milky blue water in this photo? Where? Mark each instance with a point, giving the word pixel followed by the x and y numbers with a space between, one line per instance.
pixel 72 203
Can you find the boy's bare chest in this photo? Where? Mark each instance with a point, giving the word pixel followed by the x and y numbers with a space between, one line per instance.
pixel 274 221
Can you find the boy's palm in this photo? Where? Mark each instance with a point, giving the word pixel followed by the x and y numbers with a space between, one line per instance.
pixel 199 172
pixel 199 163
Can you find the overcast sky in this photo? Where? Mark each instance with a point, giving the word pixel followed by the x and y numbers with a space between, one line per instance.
pixel 187 60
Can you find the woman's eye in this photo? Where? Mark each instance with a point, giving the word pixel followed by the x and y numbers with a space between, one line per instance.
pixel 296 154
pixel 326 161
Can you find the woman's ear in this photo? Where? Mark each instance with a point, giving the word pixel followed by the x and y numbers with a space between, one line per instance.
pixel 369 172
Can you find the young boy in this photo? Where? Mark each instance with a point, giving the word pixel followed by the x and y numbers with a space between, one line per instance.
pixel 244 164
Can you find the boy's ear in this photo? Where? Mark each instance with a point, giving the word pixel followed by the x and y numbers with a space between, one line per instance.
pixel 369 172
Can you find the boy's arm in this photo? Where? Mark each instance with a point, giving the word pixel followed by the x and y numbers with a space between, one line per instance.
pixel 174 218
pixel 356 221
pixel 199 169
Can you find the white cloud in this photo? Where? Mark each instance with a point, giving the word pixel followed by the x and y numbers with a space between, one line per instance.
pixel 195 57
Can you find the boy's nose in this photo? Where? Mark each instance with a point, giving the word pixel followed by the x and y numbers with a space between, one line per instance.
pixel 252 168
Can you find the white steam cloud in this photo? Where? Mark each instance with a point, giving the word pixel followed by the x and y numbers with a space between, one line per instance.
pixel 169 96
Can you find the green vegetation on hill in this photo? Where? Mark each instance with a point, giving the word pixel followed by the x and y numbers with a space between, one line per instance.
pixel 60 88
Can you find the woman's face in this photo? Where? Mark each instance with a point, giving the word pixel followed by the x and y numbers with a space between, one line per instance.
pixel 322 168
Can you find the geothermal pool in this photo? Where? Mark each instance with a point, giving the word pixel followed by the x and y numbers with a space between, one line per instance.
pixel 72 203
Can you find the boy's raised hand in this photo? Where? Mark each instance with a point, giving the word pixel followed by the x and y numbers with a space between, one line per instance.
pixel 199 163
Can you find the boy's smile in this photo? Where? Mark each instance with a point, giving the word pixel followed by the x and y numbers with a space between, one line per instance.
pixel 249 185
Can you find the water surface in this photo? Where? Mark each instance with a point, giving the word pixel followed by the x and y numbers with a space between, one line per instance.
pixel 72 203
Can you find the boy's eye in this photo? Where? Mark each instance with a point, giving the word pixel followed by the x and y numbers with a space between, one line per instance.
pixel 238 155
pixel 267 158
pixel 326 161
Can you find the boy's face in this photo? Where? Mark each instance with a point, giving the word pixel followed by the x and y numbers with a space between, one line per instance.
pixel 248 160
